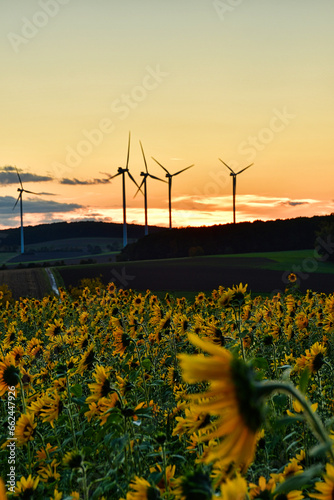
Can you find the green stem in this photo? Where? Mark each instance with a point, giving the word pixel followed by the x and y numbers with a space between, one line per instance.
pixel 275 361
pixel 24 407
pixel 164 461
pixel 268 388
pixel 69 411
pixel 142 373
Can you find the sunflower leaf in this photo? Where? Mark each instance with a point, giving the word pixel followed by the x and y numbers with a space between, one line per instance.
pixel 297 482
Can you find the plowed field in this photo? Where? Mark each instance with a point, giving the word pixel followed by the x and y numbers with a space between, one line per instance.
pixel 26 282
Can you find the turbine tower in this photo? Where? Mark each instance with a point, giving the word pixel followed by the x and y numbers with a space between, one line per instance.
pixel 143 183
pixel 123 171
pixel 170 177
pixel 21 191
pixel 234 175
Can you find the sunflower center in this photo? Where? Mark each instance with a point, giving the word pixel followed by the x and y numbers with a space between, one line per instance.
pixel 250 406
pixel 27 494
pixel 126 340
pixel 152 493
pixel 105 388
pixel 265 495
pixel 75 462
pixel 318 361
pixel 90 358
pixel 11 375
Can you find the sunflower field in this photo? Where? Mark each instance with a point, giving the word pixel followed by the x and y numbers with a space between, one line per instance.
pixel 116 394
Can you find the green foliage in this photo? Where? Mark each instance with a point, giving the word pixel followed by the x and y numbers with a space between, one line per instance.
pixel 5 295
pixel 86 283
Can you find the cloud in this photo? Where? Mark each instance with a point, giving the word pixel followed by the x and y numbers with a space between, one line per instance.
pixel 8 175
pixel 76 182
pixel 295 203
pixel 34 206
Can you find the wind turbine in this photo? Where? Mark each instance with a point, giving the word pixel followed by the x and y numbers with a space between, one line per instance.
pixel 234 175
pixel 170 177
pixel 21 190
pixel 123 171
pixel 143 183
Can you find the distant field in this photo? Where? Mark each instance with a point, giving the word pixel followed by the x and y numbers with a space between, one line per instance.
pixel 263 272
pixel 80 243
pixel 70 250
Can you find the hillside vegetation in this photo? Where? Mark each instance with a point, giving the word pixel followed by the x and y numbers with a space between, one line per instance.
pixel 258 236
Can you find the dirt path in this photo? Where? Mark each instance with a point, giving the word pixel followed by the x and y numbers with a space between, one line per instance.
pixel 25 282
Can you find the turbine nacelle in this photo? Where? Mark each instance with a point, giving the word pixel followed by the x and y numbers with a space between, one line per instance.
pixel 234 175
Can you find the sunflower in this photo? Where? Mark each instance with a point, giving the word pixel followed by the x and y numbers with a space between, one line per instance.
pixel 292 277
pixel 292 495
pixel 44 453
pixel 3 494
pixel 329 323
pixel 298 408
pixel 87 360
pixel 165 322
pixel 48 472
pixel 34 347
pixel 102 386
pixel 301 320
pixel 192 422
pixel 239 294
pixel 234 489
pixel 225 298
pixel 18 353
pixel 170 473
pixel 200 298
pixel 315 357
pixel 142 490
pixel 10 335
pixel 121 341
pixel 138 301
pixel 193 485
pixel 261 490
pixel 51 409
pixel 232 397
pixel 57 495
pixel 9 374
pixel 73 459
pixel 25 487
pixel 55 329
pixel 25 428
pixel 82 342
pixel 326 488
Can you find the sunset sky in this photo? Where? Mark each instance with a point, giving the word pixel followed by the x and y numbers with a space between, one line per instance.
pixel 247 81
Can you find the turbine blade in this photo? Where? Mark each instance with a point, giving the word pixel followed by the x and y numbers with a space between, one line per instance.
pixel 244 169
pixel 165 169
pixel 180 171
pixel 227 166
pixel 142 150
pixel 128 155
pixel 139 188
pixel 17 200
pixel 116 175
pixel 108 175
pixel 19 177
pixel 31 192
pixel 157 178
pixel 132 178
